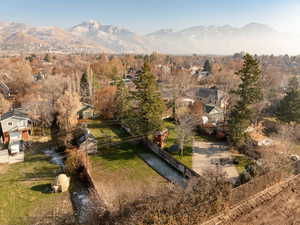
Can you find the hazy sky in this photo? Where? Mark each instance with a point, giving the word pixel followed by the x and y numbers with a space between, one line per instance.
pixel 148 15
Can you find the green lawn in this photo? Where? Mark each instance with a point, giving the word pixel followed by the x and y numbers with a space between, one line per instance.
pixel 188 150
pixel 24 189
pixel 123 157
pixel 119 173
pixel 243 162
pixel 102 131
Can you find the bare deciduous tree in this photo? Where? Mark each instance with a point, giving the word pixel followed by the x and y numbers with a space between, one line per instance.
pixel 180 82
pixel 184 129
pixel 105 101
pixel 4 104
pixel 67 107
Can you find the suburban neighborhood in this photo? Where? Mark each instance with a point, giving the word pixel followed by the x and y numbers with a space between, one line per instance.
pixel 135 124
pixel 96 134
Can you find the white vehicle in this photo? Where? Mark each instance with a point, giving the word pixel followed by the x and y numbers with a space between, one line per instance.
pixel 14 147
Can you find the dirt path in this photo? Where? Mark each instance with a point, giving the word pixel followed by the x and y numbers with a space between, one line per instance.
pixel 206 155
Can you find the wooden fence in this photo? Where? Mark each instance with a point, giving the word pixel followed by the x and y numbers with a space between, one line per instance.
pixel 183 169
pixel 176 164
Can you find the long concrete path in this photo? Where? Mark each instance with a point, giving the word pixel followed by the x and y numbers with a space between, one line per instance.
pixel 163 168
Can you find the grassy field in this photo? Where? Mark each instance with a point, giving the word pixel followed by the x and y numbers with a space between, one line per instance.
pixel 120 157
pixel 24 189
pixel 103 131
pixel 118 170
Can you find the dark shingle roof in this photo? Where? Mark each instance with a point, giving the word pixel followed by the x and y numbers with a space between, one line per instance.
pixel 207 92
pixel 208 108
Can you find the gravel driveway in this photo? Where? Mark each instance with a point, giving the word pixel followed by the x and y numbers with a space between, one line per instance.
pixel 207 155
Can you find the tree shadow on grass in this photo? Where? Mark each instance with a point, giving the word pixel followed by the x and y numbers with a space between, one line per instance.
pixel 119 131
pixel 36 158
pixel 43 188
pixel 124 151
pixel 97 125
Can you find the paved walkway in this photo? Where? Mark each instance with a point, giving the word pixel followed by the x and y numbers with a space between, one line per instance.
pixel 163 168
pixel 206 156
pixel 19 157
pixel 6 158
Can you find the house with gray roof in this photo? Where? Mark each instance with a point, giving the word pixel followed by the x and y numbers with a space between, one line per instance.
pixel 12 122
pixel 212 96
pixel 213 114
pixel 86 111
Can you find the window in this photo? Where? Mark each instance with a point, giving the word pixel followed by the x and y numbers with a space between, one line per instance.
pixel 9 124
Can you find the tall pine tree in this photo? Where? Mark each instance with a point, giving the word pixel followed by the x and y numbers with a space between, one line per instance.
pixel 249 93
pixel 289 106
pixel 87 86
pixel 84 88
pixel 149 106
pixel 207 67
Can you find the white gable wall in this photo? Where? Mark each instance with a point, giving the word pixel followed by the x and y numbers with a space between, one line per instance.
pixel 14 123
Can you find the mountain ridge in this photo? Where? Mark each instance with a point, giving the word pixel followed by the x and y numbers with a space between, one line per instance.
pixel 94 37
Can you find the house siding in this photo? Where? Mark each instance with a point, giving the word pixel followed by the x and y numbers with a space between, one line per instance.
pixel 18 123
pixel 13 124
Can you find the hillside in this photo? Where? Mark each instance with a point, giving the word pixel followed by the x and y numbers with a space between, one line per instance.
pixel 93 37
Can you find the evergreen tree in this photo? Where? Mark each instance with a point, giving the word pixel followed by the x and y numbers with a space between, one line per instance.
pixel 249 93
pixel 149 105
pixel 289 106
pixel 207 66
pixel 84 87
pixel 47 58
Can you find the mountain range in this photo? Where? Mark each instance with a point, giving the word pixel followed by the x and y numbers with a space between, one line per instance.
pixel 93 37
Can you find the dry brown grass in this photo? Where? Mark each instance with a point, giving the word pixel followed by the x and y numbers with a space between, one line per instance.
pixel 3 168
pixel 60 213
pixel 284 209
pixel 174 206
pixel 116 189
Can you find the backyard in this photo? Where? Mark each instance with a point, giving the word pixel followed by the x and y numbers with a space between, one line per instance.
pixel 187 157
pixel 118 170
pixel 120 173
pixel 188 148
pixel 25 189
